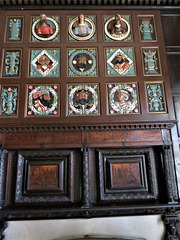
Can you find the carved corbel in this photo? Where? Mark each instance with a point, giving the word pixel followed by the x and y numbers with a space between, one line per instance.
pixel 170 222
pixel 3 226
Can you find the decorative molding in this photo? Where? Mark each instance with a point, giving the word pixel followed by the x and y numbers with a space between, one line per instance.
pixel 107 127
pixel 90 2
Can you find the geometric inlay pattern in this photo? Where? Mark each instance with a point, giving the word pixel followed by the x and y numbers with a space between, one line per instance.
pixel 122 98
pixel 44 63
pixel 83 99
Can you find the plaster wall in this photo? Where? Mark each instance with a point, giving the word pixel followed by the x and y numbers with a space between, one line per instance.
pixel 148 227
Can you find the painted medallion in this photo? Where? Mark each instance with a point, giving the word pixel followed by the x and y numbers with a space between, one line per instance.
pixel 45 28
pixel 43 100
pixel 122 98
pixel 117 28
pixel 81 28
pixel 83 99
pixel 82 62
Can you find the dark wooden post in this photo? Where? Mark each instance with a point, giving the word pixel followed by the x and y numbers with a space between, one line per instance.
pixel 85 194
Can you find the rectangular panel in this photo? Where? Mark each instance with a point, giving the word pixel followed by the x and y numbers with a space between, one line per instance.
pixel 147 28
pixel 9 100
pixel 14 29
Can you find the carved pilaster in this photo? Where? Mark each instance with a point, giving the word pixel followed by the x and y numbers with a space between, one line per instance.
pixel 170 222
pixel 3 226
pixel 86 196
pixel 168 173
pixel 3 167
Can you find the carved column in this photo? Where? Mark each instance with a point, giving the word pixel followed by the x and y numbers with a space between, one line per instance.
pixel 3 167
pixel 170 222
pixel 167 159
pixel 85 194
pixel 3 226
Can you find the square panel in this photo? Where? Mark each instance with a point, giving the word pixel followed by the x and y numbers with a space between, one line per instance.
pixel 45 177
pixel 43 100
pixel 127 172
pixel 82 62
pixel 44 63
pixel 151 61
pixel 120 62
pixel 127 175
pixel 9 100
pixel 11 65
pixel 123 98
pixel 117 28
pixel 82 28
pixel 45 28
pixel 83 99
pixel 147 28
pixel 14 29
pixel 156 101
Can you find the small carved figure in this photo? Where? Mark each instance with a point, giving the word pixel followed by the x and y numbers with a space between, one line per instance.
pixel 42 99
pixel 82 28
pixel 123 96
pixel 120 63
pixel 118 27
pixel 44 63
pixel 44 30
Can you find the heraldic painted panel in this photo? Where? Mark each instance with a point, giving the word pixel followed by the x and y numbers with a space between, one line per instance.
pixel 83 99
pixel 45 28
pixel 11 63
pixel 147 28
pixel 151 62
pixel 43 100
pixel 82 28
pixel 117 28
pixel 14 29
pixel 9 100
pixel 44 63
pixel 155 98
pixel 122 98
pixel 120 62
pixel 82 62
